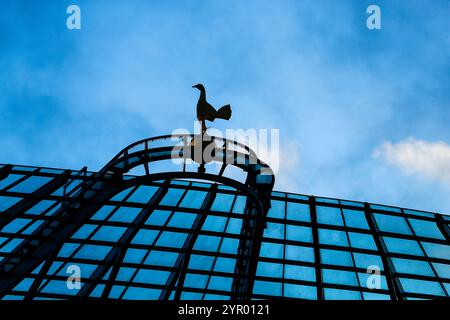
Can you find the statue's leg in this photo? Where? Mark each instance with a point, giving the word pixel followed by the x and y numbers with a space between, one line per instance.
pixel 203 127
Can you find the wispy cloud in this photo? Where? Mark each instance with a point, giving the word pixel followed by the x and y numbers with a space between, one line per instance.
pixel 428 160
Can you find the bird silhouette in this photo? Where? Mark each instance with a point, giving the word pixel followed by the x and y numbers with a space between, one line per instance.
pixel 205 111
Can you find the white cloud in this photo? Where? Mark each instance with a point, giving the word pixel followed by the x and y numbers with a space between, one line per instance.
pixel 429 160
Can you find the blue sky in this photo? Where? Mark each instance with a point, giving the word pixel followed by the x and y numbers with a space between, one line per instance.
pixel 362 114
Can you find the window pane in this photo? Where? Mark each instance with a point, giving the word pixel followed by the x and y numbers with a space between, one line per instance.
pixel 392 224
pixel 443 270
pixel 299 233
pixel 364 261
pixel 271 250
pixel 412 267
pixel 333 237
pixel 277 209
pixel 31 184
pixel 274 230
pixel 329 215
pixel 426 229
pixel 339 277
pixel 404 246
pixel 143 194
pixel 267 288
pixel 299 253
pixel 295 272
pixel 355 219
pixel 334 257
pixel 193 199
pixel 298 211
pixel 300 291
pixel 222 202
pixel 337 294
pixel 362 241
pixel 125 214
pixel 214 223
pixel 435 250
pixel 182 220
pixel 421 286
pixel 268 269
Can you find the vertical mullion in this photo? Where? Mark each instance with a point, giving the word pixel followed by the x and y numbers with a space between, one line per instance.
pixel 393 285
pixel 351 251
pixel 315 233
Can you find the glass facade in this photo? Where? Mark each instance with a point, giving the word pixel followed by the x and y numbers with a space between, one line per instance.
pixel 179 239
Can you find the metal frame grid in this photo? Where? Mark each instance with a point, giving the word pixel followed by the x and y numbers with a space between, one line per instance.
pixel 174 239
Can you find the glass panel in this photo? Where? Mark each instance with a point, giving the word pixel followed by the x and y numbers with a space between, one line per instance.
pixel 267 288
pixel 225 265
pixel 102 213
pixel 125 214
pixel 172 197
pixel 31 184
pixel 295 272
pixel 195 281
pixel 220 283
pixel 271 250
pixel 412 267
pixel 421 286
pixel 239 205
pixel 152 276
pixel 222 202
pixel 10 179
pixel 145 237
pixel 158 218
pixel 7 202
pixel 299 253
pixel 426 229
pixel 329 215
pixel 182 220
pixel 274 230
pixel 333 237
pixel 443 270
pixel 143 194
pixel 370 281
pixel 385 208
pixel 338 294
pixel 207 243
pixel 200 262
pixel 339 277
pixel 392 224
pixel 300 291
pixel 136 293
pixel 171 239
pixel 276 210
pixel 435 250
pixel 111 234
pixel 299 233
pixel 355 219
pixel 404 246
pixel 334 257
pixel 193 199
pixel 268 269
pixel 234 226
pixel 298 211
pixel 214 223
pixel 365 261
pixel 162 258
pixel 362 241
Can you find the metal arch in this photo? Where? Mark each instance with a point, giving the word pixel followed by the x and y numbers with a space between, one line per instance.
pixel 260 176
pixel 233 152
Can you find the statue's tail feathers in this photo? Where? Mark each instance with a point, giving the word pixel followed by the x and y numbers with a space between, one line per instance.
pixel 224 112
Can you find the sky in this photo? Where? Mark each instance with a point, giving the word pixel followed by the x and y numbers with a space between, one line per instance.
pixel 362 114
